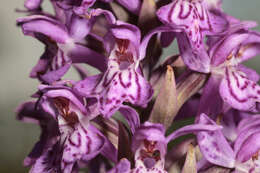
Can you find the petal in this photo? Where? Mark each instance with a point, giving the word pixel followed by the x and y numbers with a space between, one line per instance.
pixel 87 86
pixel 55 75
pixel 198 59
pixel 230 123
pixel 131 5
pixel 127 31
pixel 80 27
pixel 226 47
pixel 193 18
pixel 207 105
pixel 131 117
pixel 49 160
pixel 249 148
pixel 238 91
pixel 32 25
pixel 247 122
pixel 111 19
pixel 32 4
pixel 214 146
pixel 250 73
pixel 66 92
pixel 238 42
pixel 123 166
pixel 194 128
pixel 127 85
pixel 148 36
pixel 116 87
pixel 82 54
pixel 27 112
pixel 247 128
pixel 43 64
pixel 251 46
pixel 83 144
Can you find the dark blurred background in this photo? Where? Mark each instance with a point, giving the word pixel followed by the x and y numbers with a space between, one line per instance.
pixel 18 54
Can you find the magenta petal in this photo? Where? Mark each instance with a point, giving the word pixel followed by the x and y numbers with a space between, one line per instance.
pixel 147 37
pixel 250 147
pixel 80 27
pixel 131 117
pixel 246 129
pixel 116 87
pixel 238 91
pixel 48 161
pixel 225 47
pixel 209 106
pixel 197 60
pixel 55 75
pixel 214 146
pixel 250 73
pixel 108 15
pixel 32 4
pixel 194 128
pixel 87 86
pixel 82 144
pixel 27 112
pixel 193 18
pixel 131 5
pixel 248 121
pixel 82 54
pixel 238 42
pixel 125 86
pixel 43 63
pixel 44 25
pixel 250 47
pixel 123 166
pixel 66 92
pixel 127 31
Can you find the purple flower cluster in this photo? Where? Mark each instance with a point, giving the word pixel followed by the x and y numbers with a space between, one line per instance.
pixel 121 119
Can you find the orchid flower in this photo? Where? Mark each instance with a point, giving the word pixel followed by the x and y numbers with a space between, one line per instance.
pixel 192 21
pixel 241 152
pixel 64 45
pixel 232 83
pixel 78 139
pixel 123 81
pixel 150 145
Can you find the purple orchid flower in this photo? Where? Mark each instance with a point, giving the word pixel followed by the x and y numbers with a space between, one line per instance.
pixel 241 152
pixel 150 145
pixel 78 139
pixel 231 83
pixel 64 45
pixel 192 21
pixel 43 149
pixel 123 80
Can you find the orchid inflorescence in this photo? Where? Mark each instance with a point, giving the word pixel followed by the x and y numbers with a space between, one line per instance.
pixel 126 117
